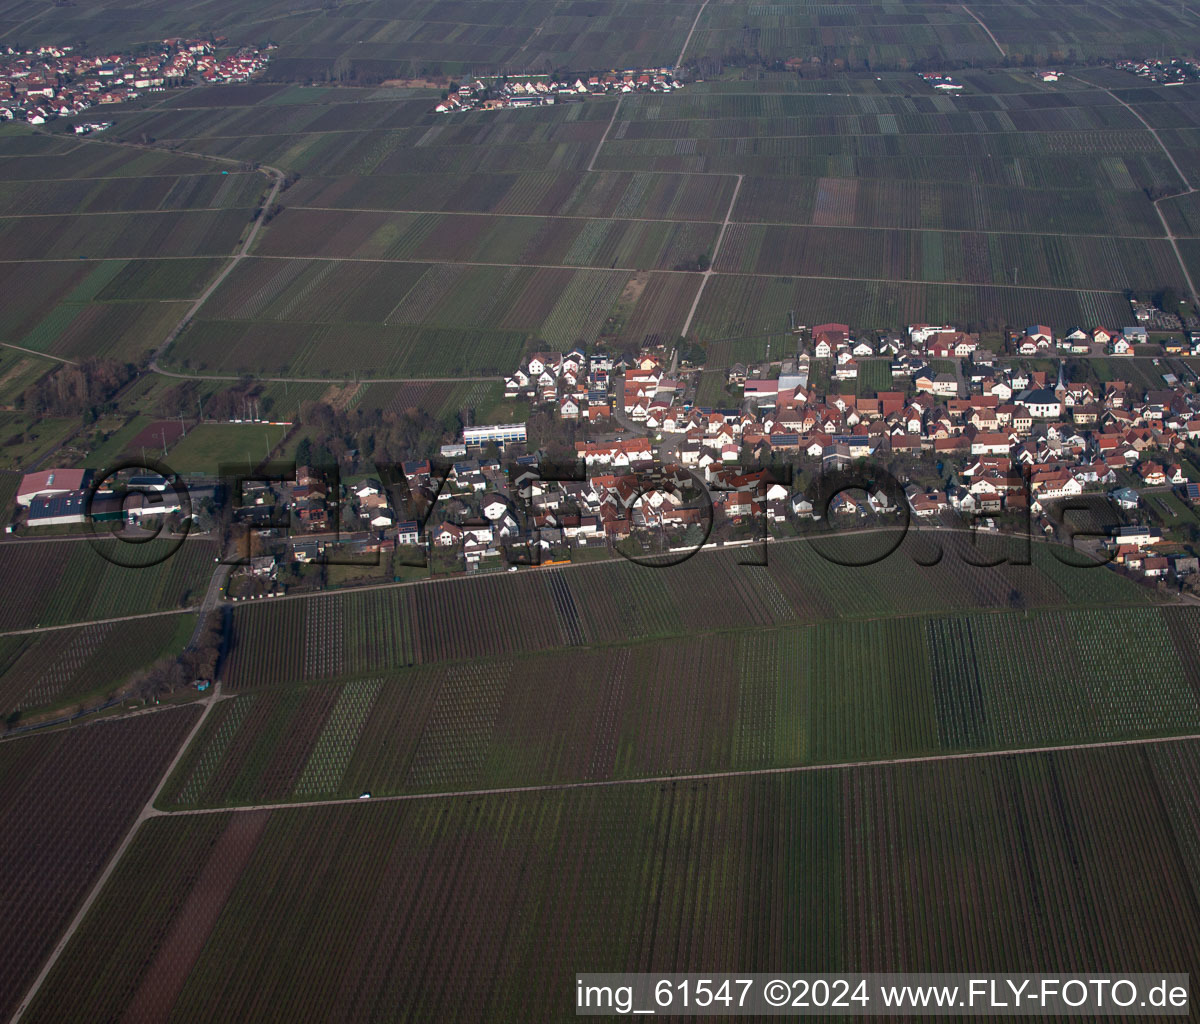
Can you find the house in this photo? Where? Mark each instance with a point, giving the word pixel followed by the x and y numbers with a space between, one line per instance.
pixel 1152 473
pixel 141 504
pixel 1185 565
pixel 1154 567
pixel 1042 404
pixel 1135 536
pixel 408 533
pixel 801 506
pixel 1126 498
pixel 447 535
pixel 494 507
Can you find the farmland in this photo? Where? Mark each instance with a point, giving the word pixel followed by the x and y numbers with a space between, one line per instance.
pixel 767 757
pixel 106 244
pixel 616 601
pixel 53 669
pixel 402 38
pixel 68 799
pixel 825 693
pixel 418 246
pixel 908 866
pixel 69 581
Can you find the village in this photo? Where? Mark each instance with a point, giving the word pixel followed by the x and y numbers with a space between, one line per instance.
pixel 39 85
pixel 974 439
pixel 539 90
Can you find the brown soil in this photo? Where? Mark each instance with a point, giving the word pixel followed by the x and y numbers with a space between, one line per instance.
pixel 186 938
pixel 634 288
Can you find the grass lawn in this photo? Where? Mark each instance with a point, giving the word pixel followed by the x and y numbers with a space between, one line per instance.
pixel 208 446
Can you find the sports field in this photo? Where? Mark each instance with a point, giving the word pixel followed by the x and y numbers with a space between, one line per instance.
pixel 209 446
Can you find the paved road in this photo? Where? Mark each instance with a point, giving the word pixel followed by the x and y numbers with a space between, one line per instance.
pixel 97 622
pixel 212 598
pixel 277 181
pixel 35 352
pixel 323 380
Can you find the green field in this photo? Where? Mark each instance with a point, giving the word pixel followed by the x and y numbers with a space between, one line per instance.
pixel 812 755
pixel 209 446
pixel 753 698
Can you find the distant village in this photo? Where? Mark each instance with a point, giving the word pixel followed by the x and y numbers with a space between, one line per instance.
pixel 1164 71
pixel 39 85
pixel 539 90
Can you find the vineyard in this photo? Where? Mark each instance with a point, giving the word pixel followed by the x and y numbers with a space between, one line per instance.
pixel 753 695
pixel 70 581
pixel 50 669
pixel 494 902
pixel 355 634
pixel 66 800
pixel 424 247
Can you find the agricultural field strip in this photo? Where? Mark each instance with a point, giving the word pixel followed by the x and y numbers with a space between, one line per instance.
pixel 94 892
pixel 466 146
pixel 1149 127
pixel 576 266
pixel 506 216
pixel 715 273
pixel 608 128
pixel 553 787
pixel 677 632
pixel 988 31
pixel 708 273
pixel 98 622
pixel 276 176
pixel 691 32
pixel 734 222
pixel 1187 275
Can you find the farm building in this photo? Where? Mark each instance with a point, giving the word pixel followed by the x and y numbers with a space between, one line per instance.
pixel 71 508
pixel 50 482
